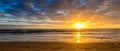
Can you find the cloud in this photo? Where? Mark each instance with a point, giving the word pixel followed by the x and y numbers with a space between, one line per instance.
pixel 37 11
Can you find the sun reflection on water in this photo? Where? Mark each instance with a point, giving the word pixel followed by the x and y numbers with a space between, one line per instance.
pixel 78 37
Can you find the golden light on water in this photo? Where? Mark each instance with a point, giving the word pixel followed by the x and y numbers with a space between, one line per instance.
pixel 78 37
pixel 84 38
pixel 78 41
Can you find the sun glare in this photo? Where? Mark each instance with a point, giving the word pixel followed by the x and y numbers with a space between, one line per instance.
pixel 79 25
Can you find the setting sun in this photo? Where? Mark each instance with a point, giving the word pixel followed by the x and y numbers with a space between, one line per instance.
pixel 79 25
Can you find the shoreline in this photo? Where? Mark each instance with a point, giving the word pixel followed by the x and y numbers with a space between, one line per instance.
pixel 58 46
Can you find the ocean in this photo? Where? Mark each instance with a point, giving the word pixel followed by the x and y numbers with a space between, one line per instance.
pixel 85 36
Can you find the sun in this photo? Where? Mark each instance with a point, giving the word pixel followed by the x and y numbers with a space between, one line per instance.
pixel 79 25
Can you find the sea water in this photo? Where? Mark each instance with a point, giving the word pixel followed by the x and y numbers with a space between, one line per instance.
pixel 69 37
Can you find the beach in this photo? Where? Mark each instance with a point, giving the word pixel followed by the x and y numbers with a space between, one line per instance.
pixel 58 46
pixel 89 40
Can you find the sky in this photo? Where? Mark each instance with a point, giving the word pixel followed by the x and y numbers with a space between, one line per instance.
pixel 60 13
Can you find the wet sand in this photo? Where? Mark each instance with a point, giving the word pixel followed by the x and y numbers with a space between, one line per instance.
pixel 57 46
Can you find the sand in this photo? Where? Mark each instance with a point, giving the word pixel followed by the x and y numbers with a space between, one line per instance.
pixel 57 46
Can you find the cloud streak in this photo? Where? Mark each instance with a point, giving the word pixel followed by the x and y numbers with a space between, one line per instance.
pixel 48 11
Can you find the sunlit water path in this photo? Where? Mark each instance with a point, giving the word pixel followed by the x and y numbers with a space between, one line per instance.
pixel 69 37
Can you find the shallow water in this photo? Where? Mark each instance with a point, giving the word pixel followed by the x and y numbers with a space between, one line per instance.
pixel 70 37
